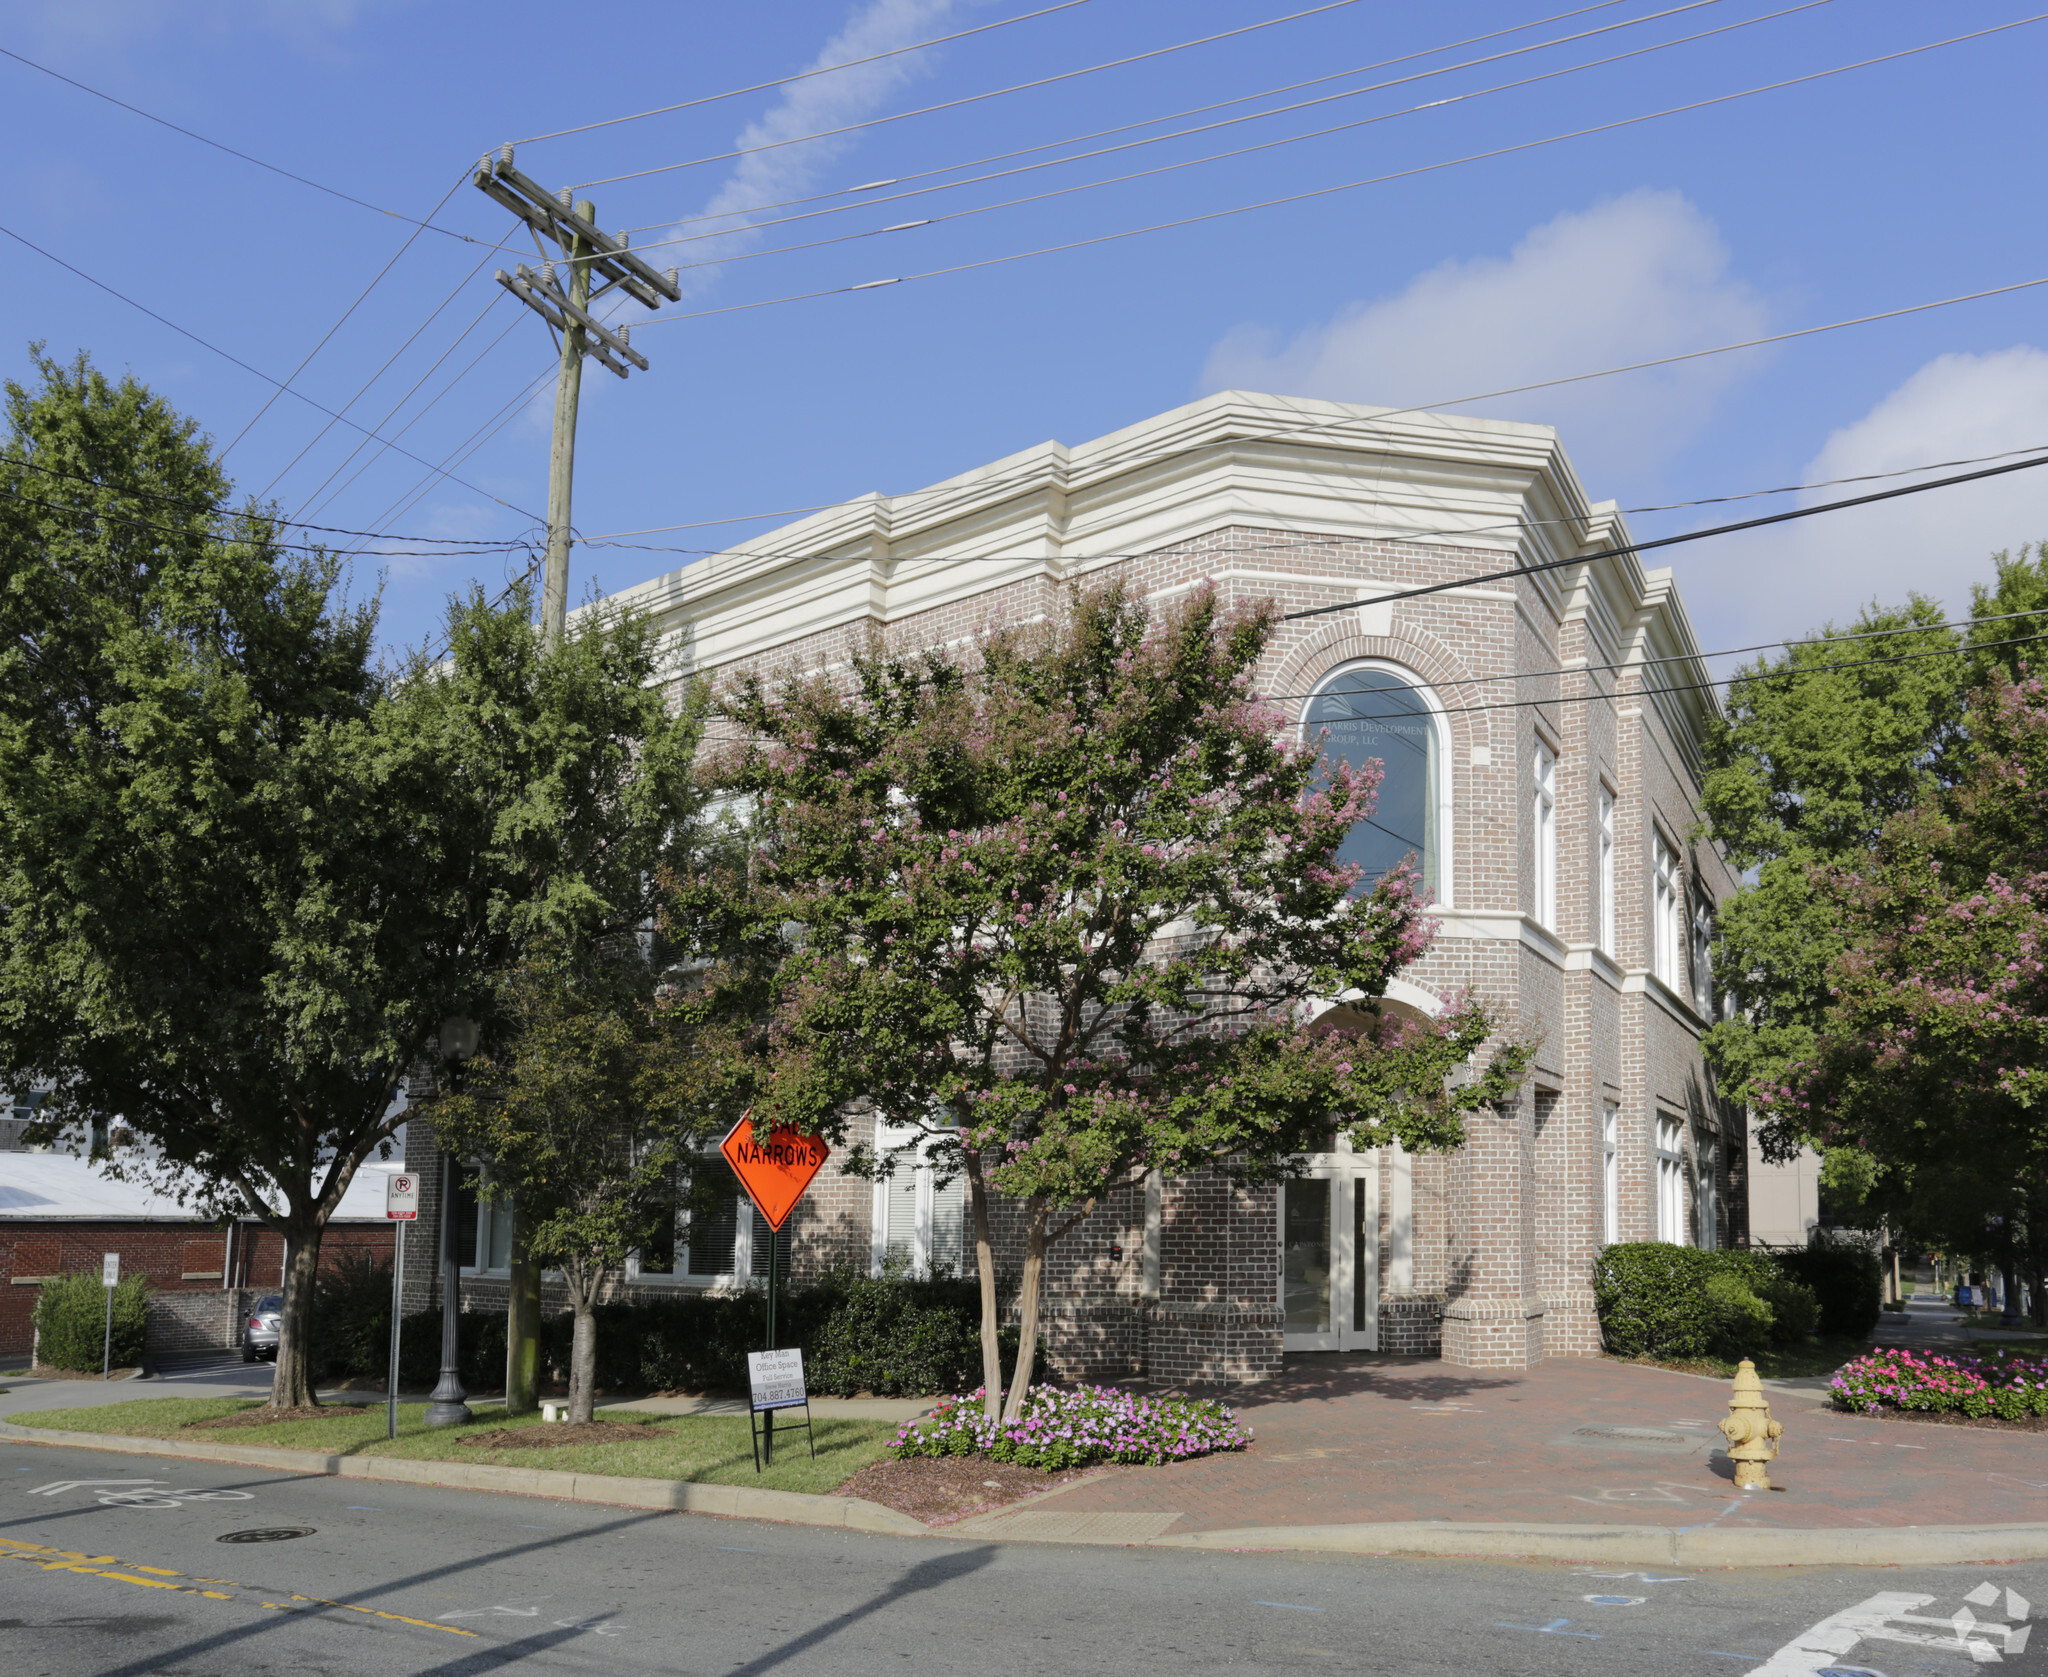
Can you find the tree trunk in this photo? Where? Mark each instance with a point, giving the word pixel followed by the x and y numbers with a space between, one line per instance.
pixel 522 1325
pixel 1038 1214
pixel 291 1387
pixel 583 1349
pixel 985 1267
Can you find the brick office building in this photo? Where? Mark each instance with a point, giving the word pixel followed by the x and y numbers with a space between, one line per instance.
pixel 1541 733
pixel 60 1214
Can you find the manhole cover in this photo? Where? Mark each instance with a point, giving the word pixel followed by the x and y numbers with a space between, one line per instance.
pixel 1661 1440
pixel 265 1534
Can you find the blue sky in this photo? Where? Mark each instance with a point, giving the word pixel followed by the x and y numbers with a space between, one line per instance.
pixel 1865 191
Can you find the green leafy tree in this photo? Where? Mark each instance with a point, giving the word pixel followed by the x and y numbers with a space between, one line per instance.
pixel 1932 1051
pixel 583 1111
pixel 244 873
pixel 1057 905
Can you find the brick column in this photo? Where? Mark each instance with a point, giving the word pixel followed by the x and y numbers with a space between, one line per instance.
pixel 1493 1317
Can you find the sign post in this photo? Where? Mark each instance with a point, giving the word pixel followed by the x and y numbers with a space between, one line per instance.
pixel 402 1206
pixel 775 1177
pixel 775 1380
pixel 110 1278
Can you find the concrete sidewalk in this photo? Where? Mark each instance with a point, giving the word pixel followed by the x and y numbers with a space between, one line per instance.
pixel 1582 1443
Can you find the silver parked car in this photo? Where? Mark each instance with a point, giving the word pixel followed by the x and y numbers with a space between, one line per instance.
pixel 259 1328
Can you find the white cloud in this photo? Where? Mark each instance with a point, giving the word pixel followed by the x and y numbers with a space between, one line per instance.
pixel 1637 277
pixel 1801 575
pixel 813 106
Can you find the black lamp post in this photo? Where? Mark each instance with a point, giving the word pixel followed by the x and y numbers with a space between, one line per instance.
pixel 445 1408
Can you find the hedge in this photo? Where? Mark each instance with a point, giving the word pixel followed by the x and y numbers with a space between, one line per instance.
pixel 889 1336
pixel 1658 1300
pixel 71 1322
pixel 1847 1280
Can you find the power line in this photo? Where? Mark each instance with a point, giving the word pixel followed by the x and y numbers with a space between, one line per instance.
pixel 97 515
pixel 1064 75
pixel 1345 186
pixel 213 511
pixel 1639 548
pixel 827 69
pixel 1220 156
pixel 326 336
pixel 1701 657
pixel 215 349
pixel 162 122
pixel 1171 116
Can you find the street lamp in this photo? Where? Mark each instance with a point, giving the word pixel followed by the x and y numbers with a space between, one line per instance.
pixel 445 1408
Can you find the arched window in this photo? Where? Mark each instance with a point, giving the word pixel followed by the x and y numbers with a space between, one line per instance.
pixel 1367 711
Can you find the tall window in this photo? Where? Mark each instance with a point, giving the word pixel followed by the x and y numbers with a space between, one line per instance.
pixel 1707 1190
pixel 1667 898
pixel 715 1235
pixel 1362 714
pixel 919 1226
pixel 1610 1172
pixel 1703 960
pixel 1604 861
pixel 1670 1180
pixel 1543 823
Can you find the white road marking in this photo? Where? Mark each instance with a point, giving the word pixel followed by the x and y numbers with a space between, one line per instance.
pixel 57 1487
pixel 1888 1617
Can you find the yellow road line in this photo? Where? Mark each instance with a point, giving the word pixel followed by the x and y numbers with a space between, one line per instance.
pixel 71 1560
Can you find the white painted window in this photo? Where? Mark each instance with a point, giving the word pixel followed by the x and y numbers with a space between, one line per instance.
pixel 493 1236
pixel 715 1238
pixel 1667 898
pixel 1604 863
pixel 1610 1172
pixel 1671 1180
pixel 1543 825
pixel 1707 1190
pixel 1703 960
pixel 920 1224
pixel 1375 713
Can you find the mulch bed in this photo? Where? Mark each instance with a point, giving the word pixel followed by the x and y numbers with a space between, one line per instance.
pixel 1932 1418
pixel 548 1434
pixel 941 1489
pixel 266 1416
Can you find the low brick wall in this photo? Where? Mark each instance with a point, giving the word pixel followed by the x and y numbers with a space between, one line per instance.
pixel 181 1323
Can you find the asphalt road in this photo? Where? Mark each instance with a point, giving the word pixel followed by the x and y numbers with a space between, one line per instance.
pixel 115 1565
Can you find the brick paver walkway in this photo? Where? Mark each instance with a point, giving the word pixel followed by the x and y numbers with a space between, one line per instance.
pixel 1366 1438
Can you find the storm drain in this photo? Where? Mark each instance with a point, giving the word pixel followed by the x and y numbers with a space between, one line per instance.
pixel 265 1534
pixel 1662 1441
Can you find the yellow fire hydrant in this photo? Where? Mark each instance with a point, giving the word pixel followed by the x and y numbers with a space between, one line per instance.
pixel 1751 1433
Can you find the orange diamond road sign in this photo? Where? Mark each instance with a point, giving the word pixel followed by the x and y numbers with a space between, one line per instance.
pixel 774 1176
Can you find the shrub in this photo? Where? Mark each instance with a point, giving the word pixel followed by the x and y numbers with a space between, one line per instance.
pixel 1657 1300
pixel 1848 1282
pixel 352 1318
pixel 71 1321
pixel 480 1351
pixel 1062 1429
pixel 2011 1387
pixel 898 1338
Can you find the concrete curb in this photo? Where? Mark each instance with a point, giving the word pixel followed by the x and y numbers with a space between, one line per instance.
pixel 1663 1546
pixel 737 1501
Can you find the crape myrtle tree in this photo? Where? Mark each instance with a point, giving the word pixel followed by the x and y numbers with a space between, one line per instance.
pixel 1057 906
pixel 1820 746
pixel 1932 1053
pixel 584 1104
pixel 245 872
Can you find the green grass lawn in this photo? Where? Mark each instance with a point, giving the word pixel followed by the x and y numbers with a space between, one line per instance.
pixel 705 1449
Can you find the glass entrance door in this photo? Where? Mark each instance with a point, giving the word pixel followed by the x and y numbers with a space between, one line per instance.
pixel 1329 1256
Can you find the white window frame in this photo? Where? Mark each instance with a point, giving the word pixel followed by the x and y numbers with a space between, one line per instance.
pixel 1707 1190
pixel 1604 846
pixel 1439 720
pixel 1671 1194
pixel 1543 822
pixel 488 1212
pixel 740 1274
pixel 888 1140
pixel 1703 960
pixel 1610 1172
pixel 1667 897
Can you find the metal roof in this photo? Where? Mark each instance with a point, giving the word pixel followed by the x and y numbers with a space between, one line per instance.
pixel 60 1187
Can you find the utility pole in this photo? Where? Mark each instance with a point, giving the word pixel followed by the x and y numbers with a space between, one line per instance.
pixel 586 250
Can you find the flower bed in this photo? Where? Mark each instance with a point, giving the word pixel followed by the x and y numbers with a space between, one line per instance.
pixel 2010 1387
pixel 1064 1428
